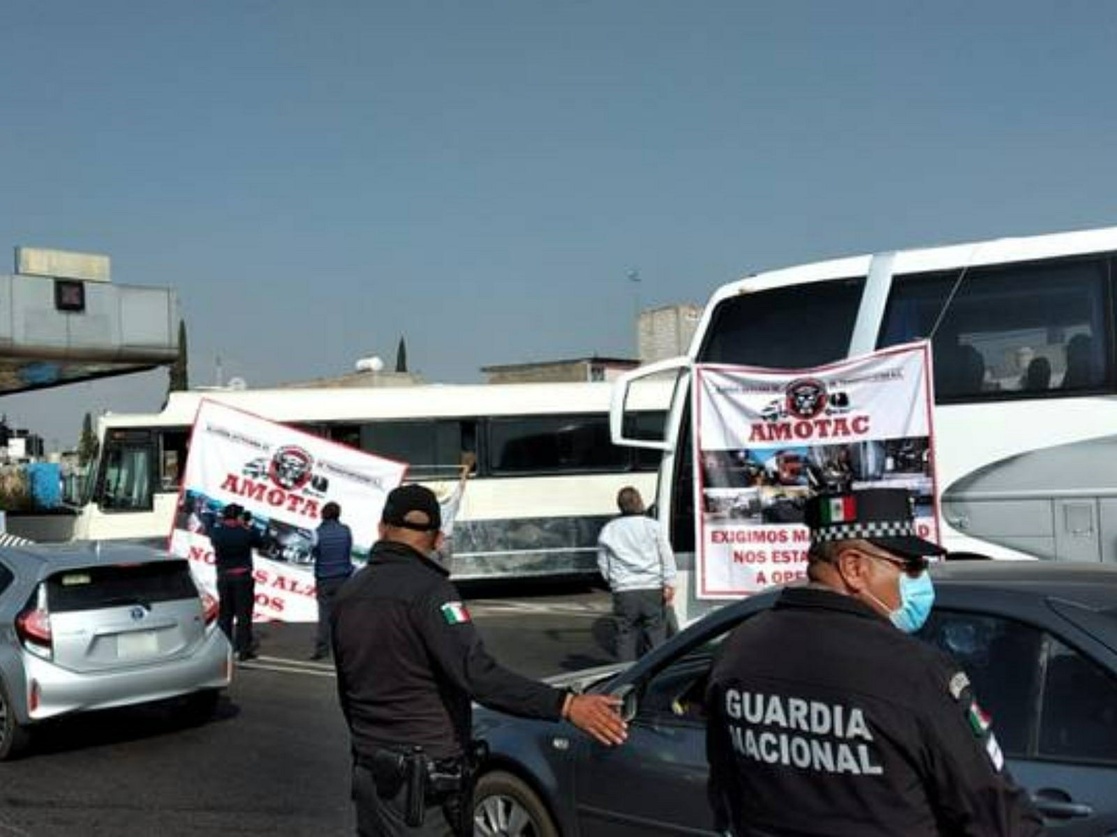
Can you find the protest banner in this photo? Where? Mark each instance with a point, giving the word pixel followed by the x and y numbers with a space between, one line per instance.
pixel 766 439
pixel 282 477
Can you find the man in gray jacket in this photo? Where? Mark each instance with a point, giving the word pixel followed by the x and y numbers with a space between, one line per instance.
pixel 638 565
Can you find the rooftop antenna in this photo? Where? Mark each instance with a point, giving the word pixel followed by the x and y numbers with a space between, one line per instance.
pixel 633 275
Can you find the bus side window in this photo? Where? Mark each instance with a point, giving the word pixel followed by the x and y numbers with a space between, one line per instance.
pixel 172 466
pixel 991 323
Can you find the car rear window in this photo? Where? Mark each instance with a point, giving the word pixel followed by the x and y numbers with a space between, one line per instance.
pixel 89 588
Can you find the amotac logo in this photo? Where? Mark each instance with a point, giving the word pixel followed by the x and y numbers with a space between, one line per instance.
pixel 806 398
pixel 808 411
pixel 290 467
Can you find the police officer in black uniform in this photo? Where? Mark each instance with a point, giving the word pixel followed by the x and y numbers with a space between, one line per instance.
pixel 826 718
pixel 408 662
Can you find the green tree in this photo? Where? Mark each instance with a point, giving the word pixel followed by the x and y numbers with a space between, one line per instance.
pixel 87 443
pixel 401 356
pixel 179 378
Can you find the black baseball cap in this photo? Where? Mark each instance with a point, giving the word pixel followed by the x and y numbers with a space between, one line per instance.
pixel 881 516
pixel 406 499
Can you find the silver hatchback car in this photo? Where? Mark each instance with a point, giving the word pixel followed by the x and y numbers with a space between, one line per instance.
pixel 92 626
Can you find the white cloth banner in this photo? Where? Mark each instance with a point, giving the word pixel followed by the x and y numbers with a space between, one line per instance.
pixel 767 439
pixel 283 477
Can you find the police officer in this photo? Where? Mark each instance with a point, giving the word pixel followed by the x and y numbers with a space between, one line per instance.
pixel 826 718
pixel 408 662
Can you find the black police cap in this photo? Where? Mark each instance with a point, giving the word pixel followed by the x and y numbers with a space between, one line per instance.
pixel 881 516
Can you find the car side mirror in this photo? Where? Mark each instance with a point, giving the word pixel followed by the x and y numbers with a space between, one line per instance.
pixel 627 694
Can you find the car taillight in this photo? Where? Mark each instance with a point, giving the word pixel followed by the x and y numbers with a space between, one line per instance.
pixel 33 628
pixel 209 608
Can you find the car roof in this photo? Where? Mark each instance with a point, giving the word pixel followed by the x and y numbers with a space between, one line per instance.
pixel 1090 584
pixel 40 560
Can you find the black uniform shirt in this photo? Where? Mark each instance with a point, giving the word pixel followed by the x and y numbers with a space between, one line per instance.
pixel 233 542
pixel 827 720
pixel 409 659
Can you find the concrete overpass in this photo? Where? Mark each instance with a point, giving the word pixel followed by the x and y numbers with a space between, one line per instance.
pixel 62 321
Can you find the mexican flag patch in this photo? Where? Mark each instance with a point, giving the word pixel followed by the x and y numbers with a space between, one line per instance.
pixel 455 613
pixel 838 510
pixel 979 721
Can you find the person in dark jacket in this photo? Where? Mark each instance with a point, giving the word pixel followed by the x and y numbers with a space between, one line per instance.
pixel 409 661
pixel 826 718
pixel 233 539
pixel 332 552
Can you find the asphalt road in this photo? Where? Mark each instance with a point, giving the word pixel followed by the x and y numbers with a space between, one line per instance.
pixel 274 760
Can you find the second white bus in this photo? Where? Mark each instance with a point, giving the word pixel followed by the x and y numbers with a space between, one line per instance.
pixel 545 479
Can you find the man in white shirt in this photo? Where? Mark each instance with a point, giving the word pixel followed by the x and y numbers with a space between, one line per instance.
pixel 638 565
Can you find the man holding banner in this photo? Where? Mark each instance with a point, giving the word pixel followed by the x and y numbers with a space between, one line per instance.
pixel 233 539
pixel 333 564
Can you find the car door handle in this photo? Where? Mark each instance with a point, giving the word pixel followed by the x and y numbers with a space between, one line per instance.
pixel 1061 809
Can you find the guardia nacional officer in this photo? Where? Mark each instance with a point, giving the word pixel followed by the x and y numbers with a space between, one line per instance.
pixel 408 662
pixel 826 718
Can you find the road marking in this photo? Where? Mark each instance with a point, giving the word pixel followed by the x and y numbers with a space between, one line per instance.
pixel 497 605
pixel 286 666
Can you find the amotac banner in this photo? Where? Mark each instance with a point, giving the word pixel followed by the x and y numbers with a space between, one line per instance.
pixel 766 439
pixel 283 477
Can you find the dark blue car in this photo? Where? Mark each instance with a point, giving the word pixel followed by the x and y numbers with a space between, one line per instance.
pixel 1037 639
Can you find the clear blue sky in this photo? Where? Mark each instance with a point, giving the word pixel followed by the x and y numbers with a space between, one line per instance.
pixel 319 178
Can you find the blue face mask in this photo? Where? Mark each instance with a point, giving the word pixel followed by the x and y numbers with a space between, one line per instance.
pixel 917 596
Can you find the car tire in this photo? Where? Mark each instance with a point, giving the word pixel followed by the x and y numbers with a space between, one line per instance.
pixel 14 736
pixel 505 805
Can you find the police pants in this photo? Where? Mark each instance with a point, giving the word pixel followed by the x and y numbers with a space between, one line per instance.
pixel 641 621
pixel 381 809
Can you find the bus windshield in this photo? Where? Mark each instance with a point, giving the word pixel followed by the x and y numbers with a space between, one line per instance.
pixel 788 328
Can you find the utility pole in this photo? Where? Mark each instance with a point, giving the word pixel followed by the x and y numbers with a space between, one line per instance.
pixel 633 275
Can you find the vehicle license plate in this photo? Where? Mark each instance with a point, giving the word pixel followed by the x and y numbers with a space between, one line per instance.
pixel 136 644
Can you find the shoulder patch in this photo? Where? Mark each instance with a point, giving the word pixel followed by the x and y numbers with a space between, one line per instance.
pixel 958 684
pixel 979 721
pixel 455 613
pixel 993 749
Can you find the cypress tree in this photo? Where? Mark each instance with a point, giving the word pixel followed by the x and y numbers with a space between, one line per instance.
pixel 401 356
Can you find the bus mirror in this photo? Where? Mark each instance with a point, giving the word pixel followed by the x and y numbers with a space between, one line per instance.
pixel 630 390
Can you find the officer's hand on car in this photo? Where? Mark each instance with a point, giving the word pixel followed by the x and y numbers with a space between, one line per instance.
pixel 597 715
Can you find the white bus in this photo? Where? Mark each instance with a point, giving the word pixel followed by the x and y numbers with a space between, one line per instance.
pixel 1023 335
pixel 545 479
